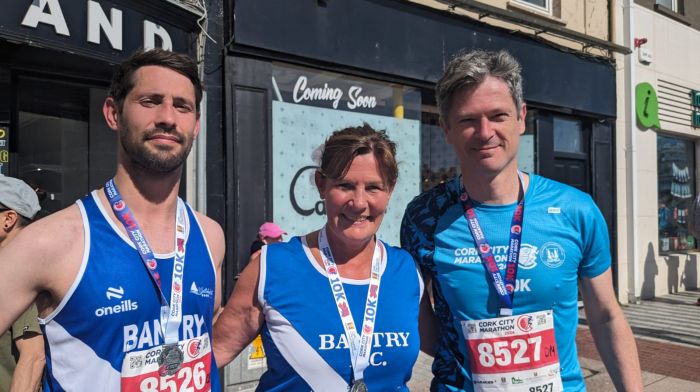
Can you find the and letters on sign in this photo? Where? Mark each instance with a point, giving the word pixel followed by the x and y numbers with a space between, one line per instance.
pixel 49 12
pixel 103 29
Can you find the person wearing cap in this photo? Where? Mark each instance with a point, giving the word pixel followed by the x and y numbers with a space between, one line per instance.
pixel 22 346
pixel 268 233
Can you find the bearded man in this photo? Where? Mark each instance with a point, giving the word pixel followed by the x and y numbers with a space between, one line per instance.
pixel 119 277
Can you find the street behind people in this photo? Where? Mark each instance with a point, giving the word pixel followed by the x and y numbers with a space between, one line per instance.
pixel 128 277
pixel 337 308
pixel 504 251
pixel 22 346
pixel 268 233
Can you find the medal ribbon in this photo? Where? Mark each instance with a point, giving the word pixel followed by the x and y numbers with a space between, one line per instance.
pixel 505 286
pixel 170 312
pixel 360 345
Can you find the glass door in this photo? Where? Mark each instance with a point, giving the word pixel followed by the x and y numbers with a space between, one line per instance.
pixel 60 142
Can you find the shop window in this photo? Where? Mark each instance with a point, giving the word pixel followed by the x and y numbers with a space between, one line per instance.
pixel 307 106
pixel 526 148
pixel 670 4
pixel 676 186
pixel 568 135
pixel 539 5
pixel 439 162
pixel 62 144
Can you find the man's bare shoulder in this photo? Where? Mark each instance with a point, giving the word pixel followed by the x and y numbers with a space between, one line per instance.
pixel 44 258
pixel 214 235
pixel 58 231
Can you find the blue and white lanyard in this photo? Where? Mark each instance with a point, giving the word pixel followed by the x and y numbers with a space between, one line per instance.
pixel 170 312
pixel 360 345
pixel 505 286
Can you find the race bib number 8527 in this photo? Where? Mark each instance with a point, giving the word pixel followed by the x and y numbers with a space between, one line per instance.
pixel 516 353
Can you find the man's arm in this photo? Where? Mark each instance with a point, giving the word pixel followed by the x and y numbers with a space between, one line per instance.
pixel 242 317
pixel 611 333
pixel 30 366
pixel 217 245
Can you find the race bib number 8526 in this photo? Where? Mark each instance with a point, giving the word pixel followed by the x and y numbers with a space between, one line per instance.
pixel 140 369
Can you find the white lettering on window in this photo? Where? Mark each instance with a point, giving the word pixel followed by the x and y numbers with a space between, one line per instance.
pixel 54 17
pixel 150 31
pixel 97 20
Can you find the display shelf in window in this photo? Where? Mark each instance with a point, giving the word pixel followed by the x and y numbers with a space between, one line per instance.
pixel 676 187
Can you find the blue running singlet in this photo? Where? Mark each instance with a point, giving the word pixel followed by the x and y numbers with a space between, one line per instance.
pixel 112 311
pixel 303 336
pixel 564 237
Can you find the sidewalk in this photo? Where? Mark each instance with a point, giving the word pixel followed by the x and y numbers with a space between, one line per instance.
pixel 665 367
pixel 667 333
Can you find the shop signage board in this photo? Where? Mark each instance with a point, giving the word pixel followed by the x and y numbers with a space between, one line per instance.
pixel 647 106
pixel 695 115
pixel 4 150
pixel 110 30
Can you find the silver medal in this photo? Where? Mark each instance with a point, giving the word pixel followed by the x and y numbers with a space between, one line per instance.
pixel 358 386
pixel 170 359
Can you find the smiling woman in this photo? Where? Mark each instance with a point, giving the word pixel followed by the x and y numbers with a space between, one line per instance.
pixel 327 329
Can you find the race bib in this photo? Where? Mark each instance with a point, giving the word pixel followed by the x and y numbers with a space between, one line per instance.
pixel 514 354
pixel 140 369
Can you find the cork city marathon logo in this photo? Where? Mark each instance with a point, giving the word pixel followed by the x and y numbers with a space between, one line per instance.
pixel 152 263
pixel 484 248
pixel 119 205
pixel 524 323
pixel 193 348
pixel 526 260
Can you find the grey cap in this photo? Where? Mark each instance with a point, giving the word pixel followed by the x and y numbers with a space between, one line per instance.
pixel 17 195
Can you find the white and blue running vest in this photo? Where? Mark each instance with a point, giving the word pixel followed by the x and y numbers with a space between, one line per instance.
pixel 113 306
pixel 303 336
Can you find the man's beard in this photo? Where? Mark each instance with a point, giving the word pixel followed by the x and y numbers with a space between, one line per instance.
pixel 154 160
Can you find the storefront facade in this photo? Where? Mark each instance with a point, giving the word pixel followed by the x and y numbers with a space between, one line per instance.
pixel 297 71
pixel 662 172
pixel 55 67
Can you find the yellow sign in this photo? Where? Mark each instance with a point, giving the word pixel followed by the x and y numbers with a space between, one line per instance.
pixel 4 156
pixel 258 352
pixel 2 133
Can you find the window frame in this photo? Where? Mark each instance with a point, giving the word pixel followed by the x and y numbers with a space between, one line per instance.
pixel 673 7
pixel 548 8
pixel 669 247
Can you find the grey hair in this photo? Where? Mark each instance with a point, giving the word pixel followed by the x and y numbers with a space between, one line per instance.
pixel 468 69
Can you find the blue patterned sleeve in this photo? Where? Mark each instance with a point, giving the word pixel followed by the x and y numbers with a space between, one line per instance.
pixel 414 241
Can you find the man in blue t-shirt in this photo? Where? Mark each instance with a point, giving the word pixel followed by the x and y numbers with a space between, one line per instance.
pixel 504 252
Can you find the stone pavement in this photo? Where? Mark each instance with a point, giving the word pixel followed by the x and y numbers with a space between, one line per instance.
pixel 667 332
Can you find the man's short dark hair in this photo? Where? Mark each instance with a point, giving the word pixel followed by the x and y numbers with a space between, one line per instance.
pixel 123 76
